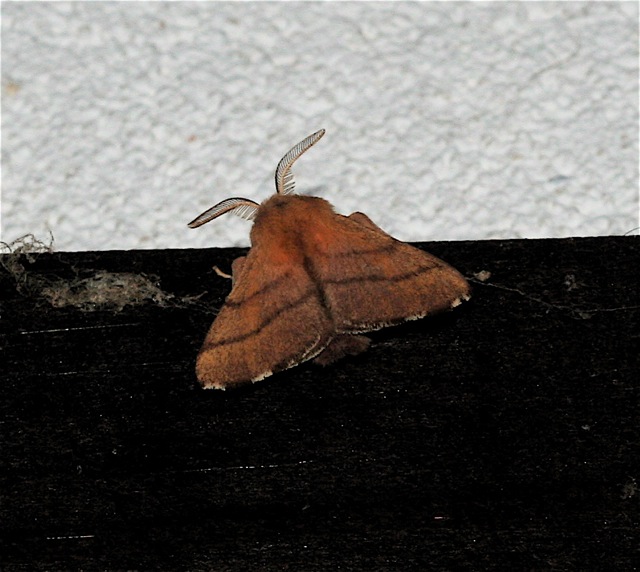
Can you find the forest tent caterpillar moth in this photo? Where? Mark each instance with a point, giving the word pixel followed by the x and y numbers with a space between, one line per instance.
pixel 312 281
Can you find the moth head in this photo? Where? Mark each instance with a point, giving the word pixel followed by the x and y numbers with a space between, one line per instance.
pixel 285 185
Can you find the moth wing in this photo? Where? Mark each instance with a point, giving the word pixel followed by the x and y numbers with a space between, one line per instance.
pixel 372 280
pixel 272 319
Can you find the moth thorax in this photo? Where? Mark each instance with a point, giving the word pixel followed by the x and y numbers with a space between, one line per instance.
pixel 284 221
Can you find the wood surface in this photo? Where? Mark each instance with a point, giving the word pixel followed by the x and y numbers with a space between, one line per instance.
pixel 503 435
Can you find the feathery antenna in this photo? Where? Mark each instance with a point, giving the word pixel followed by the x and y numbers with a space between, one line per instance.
pixel 244 208
pixel 284 177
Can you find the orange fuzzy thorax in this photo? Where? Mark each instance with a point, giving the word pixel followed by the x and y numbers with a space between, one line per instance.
pixel 287 226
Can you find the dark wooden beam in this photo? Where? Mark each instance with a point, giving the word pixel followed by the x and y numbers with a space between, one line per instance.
pixel 503 435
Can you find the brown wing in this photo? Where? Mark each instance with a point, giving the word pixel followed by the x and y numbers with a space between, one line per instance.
pixel 272 319
pixel 371 280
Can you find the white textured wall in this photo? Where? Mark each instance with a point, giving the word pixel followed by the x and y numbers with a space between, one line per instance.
pixel 122 121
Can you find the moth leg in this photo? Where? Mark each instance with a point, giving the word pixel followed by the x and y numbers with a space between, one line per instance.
pixel 222 273
pixel 364 220
pixel 236 269
pixel 342 345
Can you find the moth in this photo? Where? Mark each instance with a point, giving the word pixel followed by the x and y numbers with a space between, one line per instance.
pixel 312 283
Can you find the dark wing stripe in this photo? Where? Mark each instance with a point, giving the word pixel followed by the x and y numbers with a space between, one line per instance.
pixel 382 278
pixel 380 250
pixel 318 285
pixel 266 288
pixel 265 322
